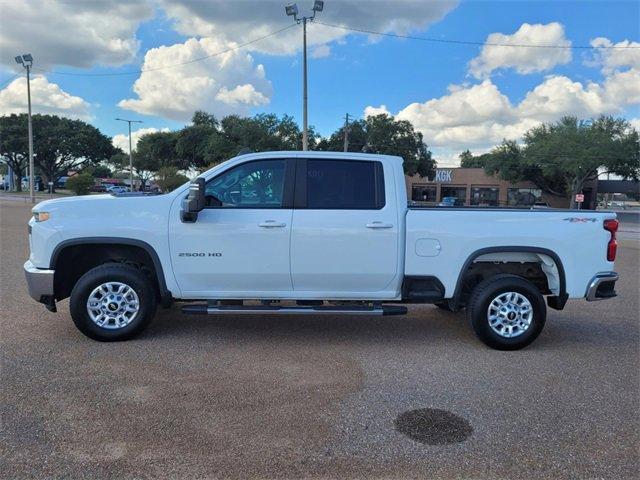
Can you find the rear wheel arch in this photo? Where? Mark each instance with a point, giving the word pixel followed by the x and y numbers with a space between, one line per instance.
pixel 550 265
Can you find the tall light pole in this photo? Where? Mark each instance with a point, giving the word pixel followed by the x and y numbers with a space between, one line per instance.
pixel 26 61
pixel 292 11
pixel 130 154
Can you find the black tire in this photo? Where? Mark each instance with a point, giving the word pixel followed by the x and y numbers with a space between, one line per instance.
pixel 486 291
pixel 126 274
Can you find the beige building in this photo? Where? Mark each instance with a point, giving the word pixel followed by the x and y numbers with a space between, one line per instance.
pixel 473 187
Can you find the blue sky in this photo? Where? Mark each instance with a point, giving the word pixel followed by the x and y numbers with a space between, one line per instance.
pixel 431 84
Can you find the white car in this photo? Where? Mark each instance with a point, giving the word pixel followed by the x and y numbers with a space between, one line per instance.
pixel 118 189
pixel 313 233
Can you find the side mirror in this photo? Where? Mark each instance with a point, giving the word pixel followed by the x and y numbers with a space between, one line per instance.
pixel 194 202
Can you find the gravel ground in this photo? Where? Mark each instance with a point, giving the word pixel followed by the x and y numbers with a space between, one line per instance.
pixel 291 397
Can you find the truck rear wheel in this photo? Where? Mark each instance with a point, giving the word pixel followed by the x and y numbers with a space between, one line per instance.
pixel 507 312
pixel 112 302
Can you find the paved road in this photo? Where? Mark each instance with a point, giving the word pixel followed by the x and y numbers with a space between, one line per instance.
pixel 314 397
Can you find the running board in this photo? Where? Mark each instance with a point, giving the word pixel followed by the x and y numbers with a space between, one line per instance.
pixel 294 310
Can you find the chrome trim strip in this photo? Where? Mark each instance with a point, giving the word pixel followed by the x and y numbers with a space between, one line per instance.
pixel 595 283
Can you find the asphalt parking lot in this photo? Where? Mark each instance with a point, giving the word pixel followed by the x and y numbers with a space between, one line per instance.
pixel 323 397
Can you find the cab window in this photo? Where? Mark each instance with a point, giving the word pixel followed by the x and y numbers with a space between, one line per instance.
pixel 257 184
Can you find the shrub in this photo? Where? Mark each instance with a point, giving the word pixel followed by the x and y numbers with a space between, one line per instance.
pixel 80 184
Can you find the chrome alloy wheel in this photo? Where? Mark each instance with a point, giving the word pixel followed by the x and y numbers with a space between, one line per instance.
pixel 510 314
pixel 113 305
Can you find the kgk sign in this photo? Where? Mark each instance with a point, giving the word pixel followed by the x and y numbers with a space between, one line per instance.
pixel 444 176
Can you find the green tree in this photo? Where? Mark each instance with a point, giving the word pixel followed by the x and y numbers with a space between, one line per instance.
pixel 385 135
pixel 158 149
pixel 60 144
pixel 80 183
pixel 169 178
pixel 14 147
pixel 202 118
pixel 561 157
pixel 468 160
pixel 261 133
pixel 100 171
pixel 192 141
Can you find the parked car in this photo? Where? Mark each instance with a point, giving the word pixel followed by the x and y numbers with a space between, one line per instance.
pixel 118 189
pixel 319 233
pixel 98 189
pixel 451 202
pixel 540 205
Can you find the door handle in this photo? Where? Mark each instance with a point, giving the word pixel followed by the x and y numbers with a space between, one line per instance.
pixel 271 224
pixel 379 225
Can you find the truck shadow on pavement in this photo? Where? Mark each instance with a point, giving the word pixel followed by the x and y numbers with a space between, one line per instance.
pixel 424 325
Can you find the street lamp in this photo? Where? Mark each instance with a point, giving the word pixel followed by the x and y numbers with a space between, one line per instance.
pixel 130 154
pixel 26 61
pixel 292 11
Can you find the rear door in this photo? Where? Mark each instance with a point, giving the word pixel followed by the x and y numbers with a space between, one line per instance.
pixel 344 238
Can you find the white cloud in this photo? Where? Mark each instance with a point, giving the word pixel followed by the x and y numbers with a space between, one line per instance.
pixel 321 51
pixel 74 33
pixel 223 84
pixel 121 141
pixel 46 98
pixel 480 116
pixel 635 123
pixel 625 54
pixel 373 111
pixel 523 59
pixel 242 21
pixel 242 95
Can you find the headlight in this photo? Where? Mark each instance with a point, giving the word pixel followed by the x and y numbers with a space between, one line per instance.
pixel 41 216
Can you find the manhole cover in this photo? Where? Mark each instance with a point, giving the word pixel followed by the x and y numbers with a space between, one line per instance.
pixel 433 426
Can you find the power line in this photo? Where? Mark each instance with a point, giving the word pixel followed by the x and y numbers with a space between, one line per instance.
pixel 466 42
pixel 188 62
pixel 7 82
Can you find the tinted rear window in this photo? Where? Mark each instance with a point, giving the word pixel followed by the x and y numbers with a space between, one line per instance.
pixel 348 185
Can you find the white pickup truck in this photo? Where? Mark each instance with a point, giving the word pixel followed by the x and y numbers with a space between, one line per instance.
pixel 312 233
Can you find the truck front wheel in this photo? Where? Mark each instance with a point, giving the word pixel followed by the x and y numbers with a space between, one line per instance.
pixel 507 312
pixel 112 302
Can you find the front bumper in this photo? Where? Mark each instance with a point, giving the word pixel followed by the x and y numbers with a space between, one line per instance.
pixel 602 286
pixel 40 283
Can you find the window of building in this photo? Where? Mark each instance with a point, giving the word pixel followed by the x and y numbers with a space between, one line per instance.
pixel 250 185
pixel 455 196
pixel 523 196
pixel 348 185
pixel 423 193
pixel 485 196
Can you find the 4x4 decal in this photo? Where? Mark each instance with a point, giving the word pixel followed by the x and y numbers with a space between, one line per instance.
pixel 579 219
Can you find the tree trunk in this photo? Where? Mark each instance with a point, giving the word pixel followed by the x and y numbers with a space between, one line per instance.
pixel 46 178
pixel 576 187
pixel 17 178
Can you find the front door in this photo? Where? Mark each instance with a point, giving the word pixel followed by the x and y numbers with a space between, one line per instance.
pixel 344 241
pixel 239 246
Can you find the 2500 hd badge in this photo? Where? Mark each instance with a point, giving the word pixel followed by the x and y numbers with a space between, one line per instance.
pixel 200 254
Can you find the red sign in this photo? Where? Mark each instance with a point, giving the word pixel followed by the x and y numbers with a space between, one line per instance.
pixel 579 197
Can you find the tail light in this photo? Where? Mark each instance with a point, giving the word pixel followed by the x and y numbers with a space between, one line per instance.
pixel 612 247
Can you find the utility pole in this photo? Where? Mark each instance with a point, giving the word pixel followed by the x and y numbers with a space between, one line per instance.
pixel 26 61
pixel 292 11
pixel 130 150
pixel 346 133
